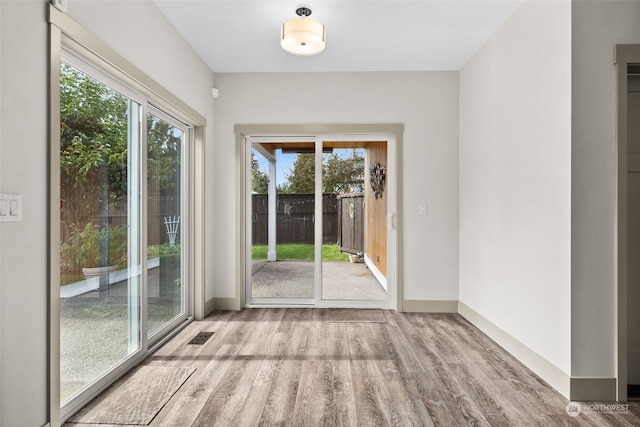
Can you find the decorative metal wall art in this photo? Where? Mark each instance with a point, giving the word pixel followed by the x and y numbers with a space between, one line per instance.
pixel 376 177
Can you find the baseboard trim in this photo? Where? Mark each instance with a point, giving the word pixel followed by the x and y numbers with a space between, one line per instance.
pixel 429 306
pixel 222 304
pixel 209 306
pixel 593 389
pixel 554 376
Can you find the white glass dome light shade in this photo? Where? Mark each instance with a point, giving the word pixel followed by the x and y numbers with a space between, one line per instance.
pixel 302 36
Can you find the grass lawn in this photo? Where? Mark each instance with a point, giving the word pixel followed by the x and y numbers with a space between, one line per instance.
pixel 300 251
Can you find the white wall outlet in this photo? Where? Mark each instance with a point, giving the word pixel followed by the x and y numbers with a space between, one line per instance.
pixel 10 207
pixel 422 210
pixel 61 5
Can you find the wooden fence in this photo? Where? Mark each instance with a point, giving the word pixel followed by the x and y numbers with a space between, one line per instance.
pixel 158 209
pixel 342 220
pixel 351 222
pixel 295 218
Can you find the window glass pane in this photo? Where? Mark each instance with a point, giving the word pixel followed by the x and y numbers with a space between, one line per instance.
pixel 345 275
pixel 283 217
pixel 99 269
pixel 164 223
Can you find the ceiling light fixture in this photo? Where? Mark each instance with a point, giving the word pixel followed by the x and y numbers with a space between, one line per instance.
pixel 302 36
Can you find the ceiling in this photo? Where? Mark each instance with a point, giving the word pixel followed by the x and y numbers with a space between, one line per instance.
pixel 234 36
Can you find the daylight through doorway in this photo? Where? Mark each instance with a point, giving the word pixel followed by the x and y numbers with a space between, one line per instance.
pixel 293 258
pixel 282 221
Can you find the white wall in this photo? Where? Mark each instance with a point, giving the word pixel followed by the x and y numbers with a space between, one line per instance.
pixel 426 103
pixel 515 182
pixel 24 164
pixel 597 26
pixel 23 170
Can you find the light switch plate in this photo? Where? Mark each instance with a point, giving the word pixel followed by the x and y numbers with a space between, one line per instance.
pixel 10 207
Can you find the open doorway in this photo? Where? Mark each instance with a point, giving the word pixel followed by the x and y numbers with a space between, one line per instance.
pixel 316 230
pixel 281 226
pixel 628 231
pixel 359 227
pixel 633 232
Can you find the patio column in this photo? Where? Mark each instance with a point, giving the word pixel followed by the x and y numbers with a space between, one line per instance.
pixel 273 215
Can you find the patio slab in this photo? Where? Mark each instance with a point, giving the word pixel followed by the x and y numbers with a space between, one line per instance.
pixel 294 279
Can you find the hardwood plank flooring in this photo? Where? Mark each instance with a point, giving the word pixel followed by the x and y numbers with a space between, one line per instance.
pixel 297 367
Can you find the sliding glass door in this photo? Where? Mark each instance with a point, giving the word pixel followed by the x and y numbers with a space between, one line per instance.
pixel 317 221
pixel 124 229
pixel 281 249
pixel 99 248
pixel 166 290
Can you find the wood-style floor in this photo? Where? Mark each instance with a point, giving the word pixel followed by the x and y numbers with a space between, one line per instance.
pixel 302 367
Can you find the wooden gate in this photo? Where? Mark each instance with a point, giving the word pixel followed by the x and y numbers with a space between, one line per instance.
pixel 351 222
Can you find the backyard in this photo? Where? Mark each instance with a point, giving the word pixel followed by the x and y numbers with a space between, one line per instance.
pixel 299 251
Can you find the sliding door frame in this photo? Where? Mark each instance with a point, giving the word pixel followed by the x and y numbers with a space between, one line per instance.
pixel 66 33
pixel 391 189
pixel 186 213
pixel 300 302
pixel 392 133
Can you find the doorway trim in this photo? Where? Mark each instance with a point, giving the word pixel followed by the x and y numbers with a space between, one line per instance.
pixel 625 54
pixel 241 131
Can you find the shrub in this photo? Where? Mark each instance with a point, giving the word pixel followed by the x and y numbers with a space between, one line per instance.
pixel 86 247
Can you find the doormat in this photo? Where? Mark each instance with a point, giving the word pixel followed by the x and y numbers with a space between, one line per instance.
pixel 136 398
pixel 350 315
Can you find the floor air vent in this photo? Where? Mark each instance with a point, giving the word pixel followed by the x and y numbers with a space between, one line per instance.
pixel 201 338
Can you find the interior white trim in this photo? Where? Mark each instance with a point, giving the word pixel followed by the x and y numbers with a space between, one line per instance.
pixel 431 306
pixel 55 39
pixel 553 375
pixel 593 389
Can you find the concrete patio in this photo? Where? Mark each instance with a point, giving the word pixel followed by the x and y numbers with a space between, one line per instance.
pixel 294 279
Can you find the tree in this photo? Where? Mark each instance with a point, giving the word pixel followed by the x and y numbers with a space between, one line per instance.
pixel 94 139
pixel 301 179
pixel 259 179
pixel 343 174
pixel 164 146
pixel 93 144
